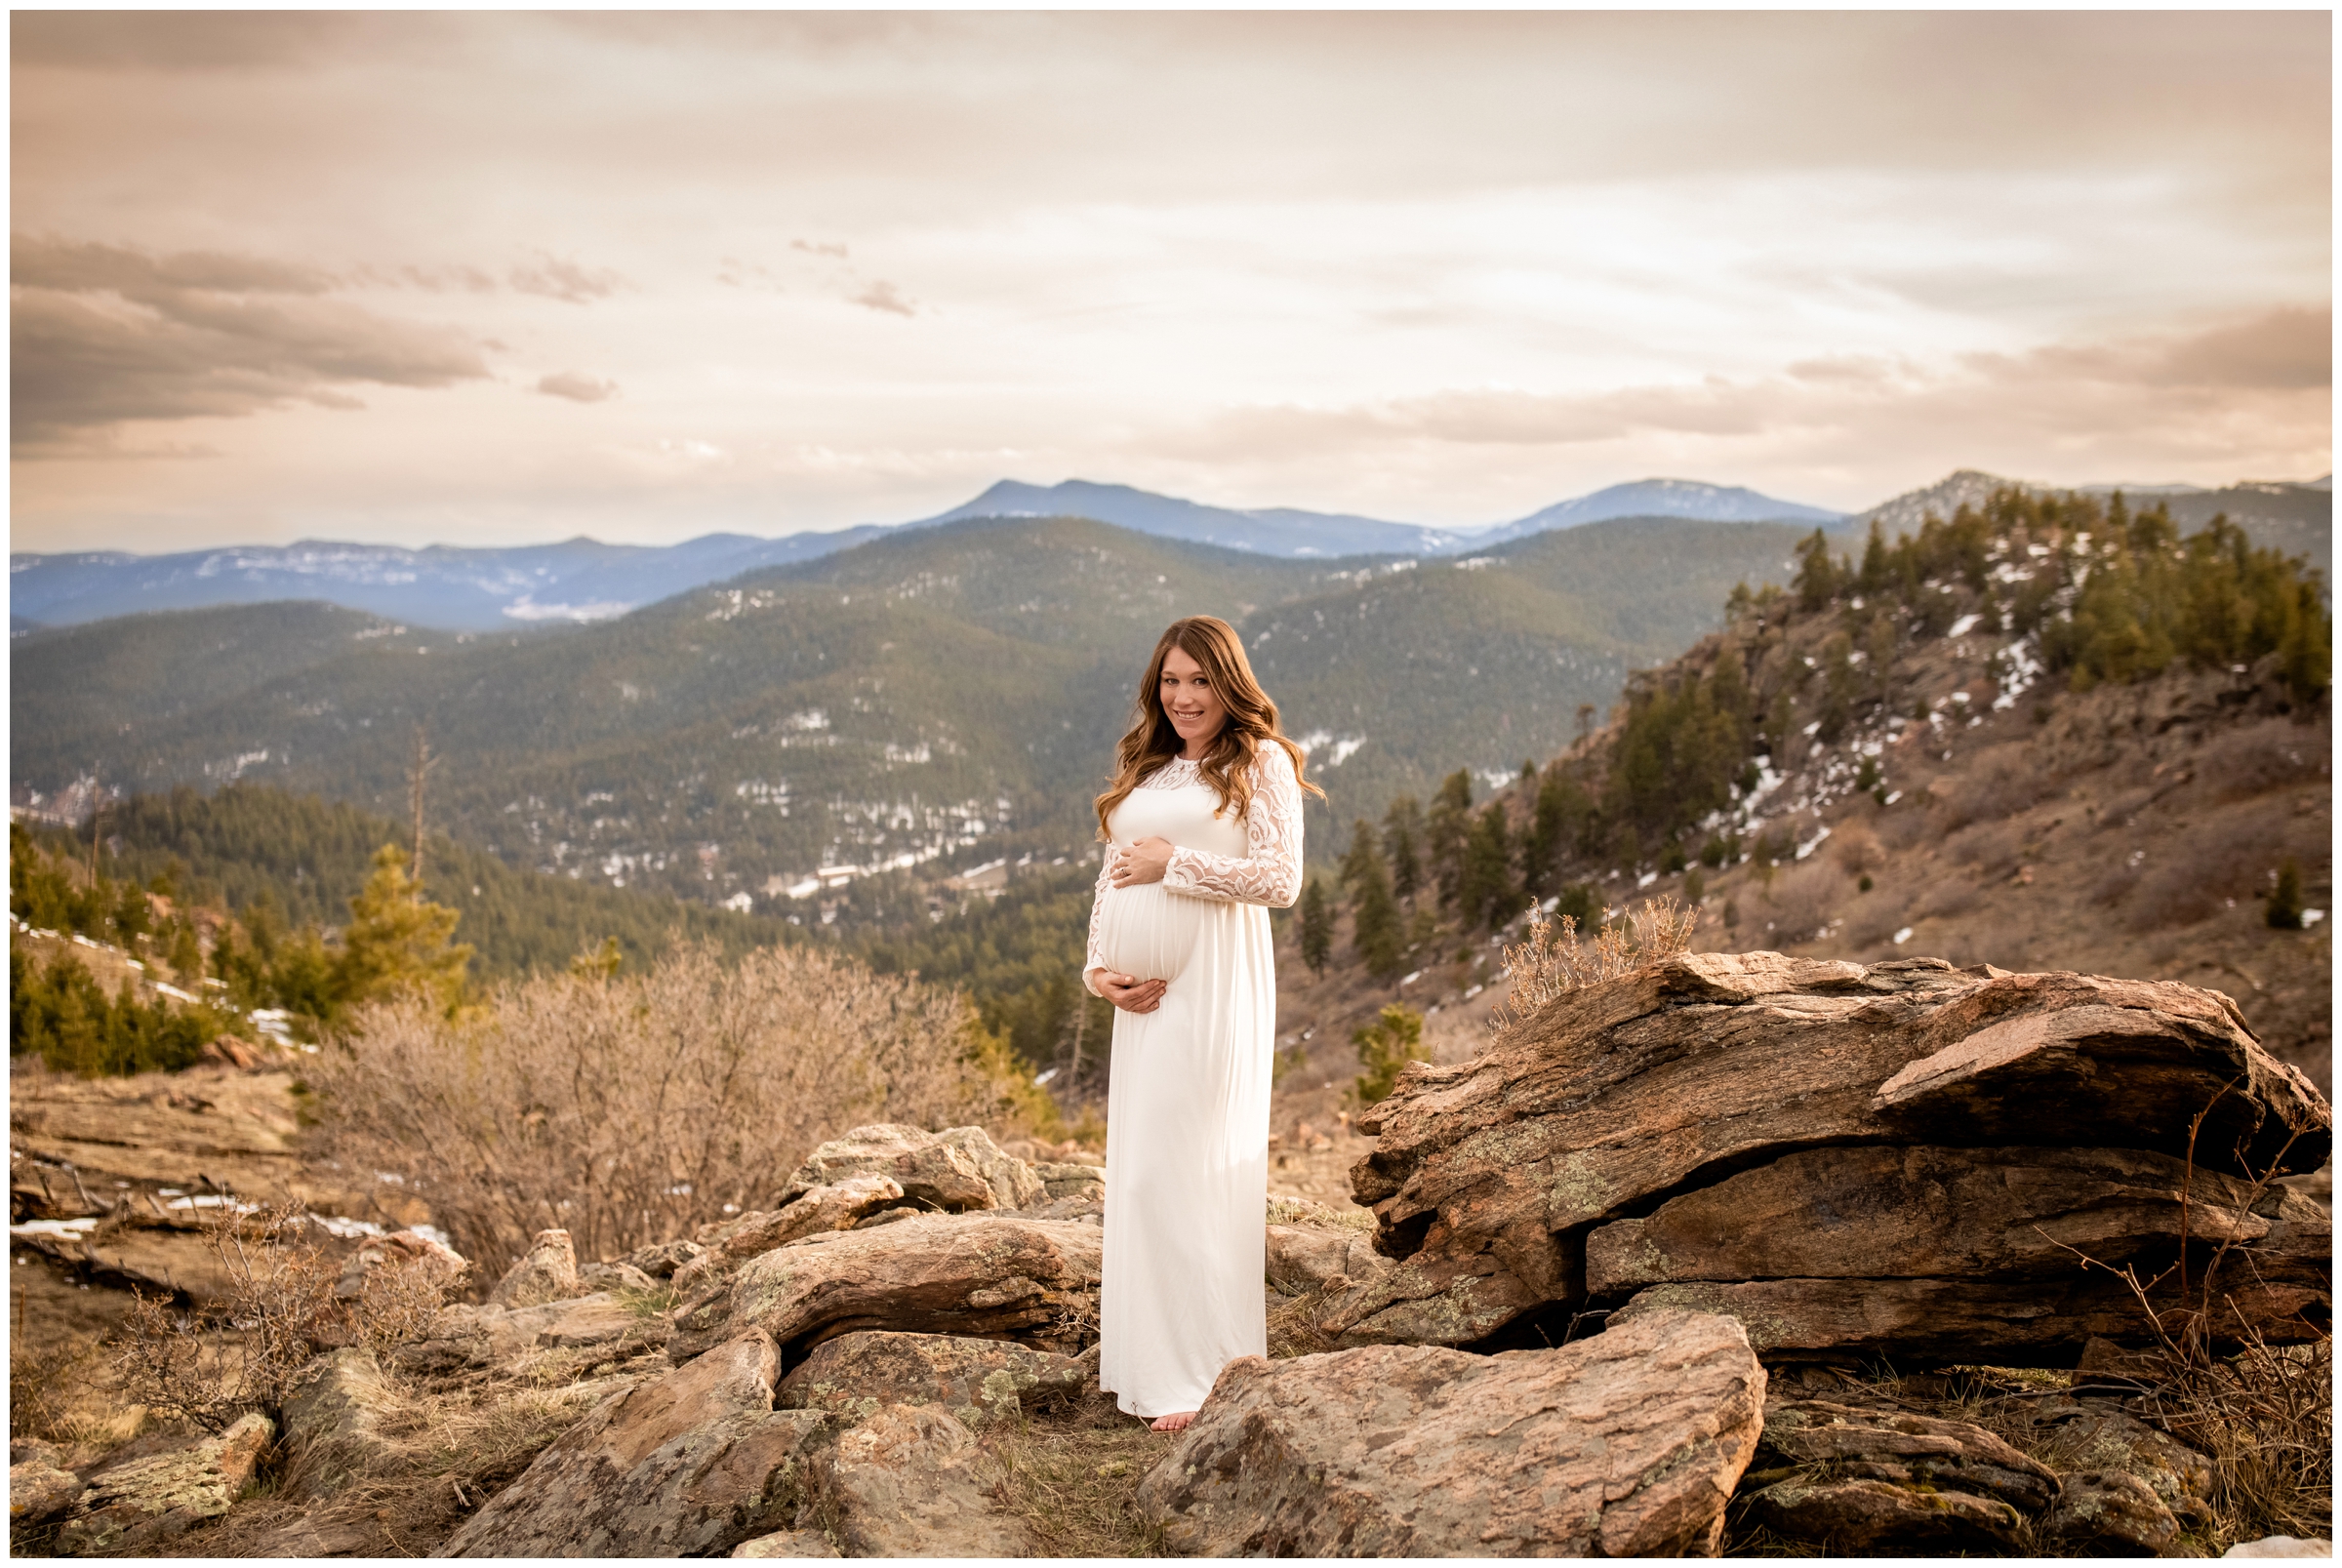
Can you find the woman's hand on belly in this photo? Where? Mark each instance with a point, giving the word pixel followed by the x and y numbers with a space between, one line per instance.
pixel 1143 862
pixel 1129 992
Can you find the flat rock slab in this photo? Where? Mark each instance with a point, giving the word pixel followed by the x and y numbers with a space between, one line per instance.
pixel 787 1544
pixel 978 1380
pixel 138 1501
pixel 955 1170
pixel 1628 1444
pixel 485 1336
pixel 687 1465
pixel 1485 1175
pixel 1939 1213
pixel 910 1483
pixel 1882 1482
pixel 1934 1321
pixel 980 1275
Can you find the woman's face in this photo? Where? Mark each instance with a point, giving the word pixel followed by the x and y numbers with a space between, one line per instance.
pixel 1196 709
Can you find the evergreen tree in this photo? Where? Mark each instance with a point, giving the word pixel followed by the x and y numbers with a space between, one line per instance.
pixel 1374 931
pixel 395 939
pixel 2284 900
pixel 1385 1048
pixel 1363 855
pixel 1446 828
pixel 1316 927
pixel 1818 578
pixel 1402 831
pixel 1487 894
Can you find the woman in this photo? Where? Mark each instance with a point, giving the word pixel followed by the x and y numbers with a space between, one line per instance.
pixel 1203 824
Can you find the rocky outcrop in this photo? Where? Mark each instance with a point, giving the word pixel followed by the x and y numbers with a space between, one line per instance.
pixel 688 1465
pixel 1302 1259
pixel 955 1170
pixel 2109 1514
pixel 547 1273
pixel 1063 1180
pixel 833 1206
pixel 787 1544
pixel 1906 1126
pixel 144 1496
pixel 910 1483
pixel 1871 1483
pixel 487 1336
pixel 1627 1444
pixel 333 1421
pixel 976 1275
pixel 978 1380
pixel 40 1484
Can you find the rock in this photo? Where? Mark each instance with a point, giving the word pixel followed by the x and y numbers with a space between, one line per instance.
pixel 1486 1175
pixel 2109 1367
pixel 2281 1547
pixel 787 1544
pixel 333 1419
pixel 306 1536
pixel 40 1487
pixel 2094 1434
pixel 485 1336
pixel 601 1278
pixel 1060 1179
pixel 932 1172
pixel 1927 1211
pixel 833 1206
pixel 955 1170
pixel 2107 1514
pixel 1882 1482
pixel 980 1275
pixel 687 1465
pixel 136 1501
pixel 1301 1258
pixel 1627 1444
pixel 1088 1207
pixel 908 1482
pixel 1918 1321
pixel 661 1261
pixel 549 1273
pixel 978 1380
pixel 434 1261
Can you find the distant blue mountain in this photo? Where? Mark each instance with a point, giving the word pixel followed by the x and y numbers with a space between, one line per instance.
pixel 456 589
pixel 1662 497
pixel 1276 531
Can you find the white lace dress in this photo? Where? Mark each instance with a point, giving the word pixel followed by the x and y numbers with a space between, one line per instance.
pixel 1187 1139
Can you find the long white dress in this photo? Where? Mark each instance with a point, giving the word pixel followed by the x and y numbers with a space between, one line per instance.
pixel 1187 1139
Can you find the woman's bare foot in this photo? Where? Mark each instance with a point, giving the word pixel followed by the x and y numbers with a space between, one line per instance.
pixel 1173 1423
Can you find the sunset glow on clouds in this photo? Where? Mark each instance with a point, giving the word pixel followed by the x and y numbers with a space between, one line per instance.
pixel 487 279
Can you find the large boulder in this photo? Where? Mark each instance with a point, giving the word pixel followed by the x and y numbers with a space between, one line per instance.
pixel 955 1170
pixel 978 1380
pixel 984 1275
pixel 1301 1258
pixel 1487 1177
pixel 2110 1514
pixel 1926 1212
pixel 147 1496
pixel 40 1483
pixel 464 1336
pixel 1872 1482
pixel 1627 1444
pixel 547 1273
pixel 833 1206
pixel 910 1482
pixel 688 1465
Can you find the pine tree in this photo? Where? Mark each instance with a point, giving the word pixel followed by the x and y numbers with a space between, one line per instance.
pixel 1374 931
pixel 1316 927
pixel 1487 892
pixel 393 941
pixel 1385 1048
pixel 1403 830
pixel 1363 853
pixel 2284 900
pixel 1818 578
pixel 1446 828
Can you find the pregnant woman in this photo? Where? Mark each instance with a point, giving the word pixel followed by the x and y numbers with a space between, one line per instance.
pixel 1203 831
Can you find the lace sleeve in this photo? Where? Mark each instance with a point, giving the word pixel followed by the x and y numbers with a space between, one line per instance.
pixel 1092 963
pixel 1270 872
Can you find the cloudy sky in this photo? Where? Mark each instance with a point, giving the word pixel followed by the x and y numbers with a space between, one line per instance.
pixel 498 279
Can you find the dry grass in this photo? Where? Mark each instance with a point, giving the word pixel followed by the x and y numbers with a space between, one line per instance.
pixel 211 1363
pixel 1553 962
pixel 1072 1478
pixel 630 1111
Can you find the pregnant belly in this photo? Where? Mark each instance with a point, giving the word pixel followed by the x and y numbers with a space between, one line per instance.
pixel 1146 932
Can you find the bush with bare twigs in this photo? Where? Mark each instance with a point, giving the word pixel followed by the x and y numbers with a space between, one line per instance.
pixel 284 1305
pixel 1554 961
pixel 2262 1414
pixel 629 1109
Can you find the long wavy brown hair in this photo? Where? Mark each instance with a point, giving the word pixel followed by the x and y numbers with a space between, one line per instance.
pixel 1151 740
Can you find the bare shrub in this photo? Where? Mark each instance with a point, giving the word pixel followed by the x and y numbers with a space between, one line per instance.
pixel 1553 962
pixel 2273 754
pixel 211 1363
pixel 2189 876
pixel 2003 783
pixel 628 1110
pixel 1856 847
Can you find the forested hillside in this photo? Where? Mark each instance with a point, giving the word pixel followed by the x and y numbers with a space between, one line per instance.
pixel 931 697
